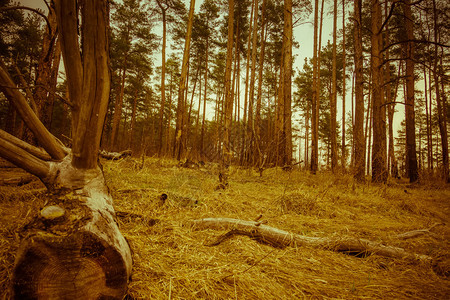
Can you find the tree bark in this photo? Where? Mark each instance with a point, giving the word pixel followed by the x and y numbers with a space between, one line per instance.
pixel 379 172
pixel 80 254
pixel 205 95
pixel 333 100
pixel 258 124
pixel 440 104
pixel 163 80
pixel 244 149
pixel 358 134
pixel 226 155
pixel 344 151
pixel 118 107
pixel 252 120
pixel 180 133
pixel 287 82
pixel 73 249
pixel 315 99
pixel 411 156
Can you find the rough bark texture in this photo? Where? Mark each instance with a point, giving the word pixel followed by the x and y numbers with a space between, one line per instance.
pixel 73 249
pixel 226 157
pixel 379 172
pixel 287 82
pixel 180 132
pixel 358 134
pixel 411 156
pixel 440 100
pixel 79 254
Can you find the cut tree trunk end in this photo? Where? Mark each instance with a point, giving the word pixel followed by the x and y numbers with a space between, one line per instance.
pixel 73 249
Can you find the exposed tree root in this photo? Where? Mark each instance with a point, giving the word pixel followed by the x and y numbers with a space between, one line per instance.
pixel 280 238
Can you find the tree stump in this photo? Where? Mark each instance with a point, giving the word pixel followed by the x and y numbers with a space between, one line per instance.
pixel 73 249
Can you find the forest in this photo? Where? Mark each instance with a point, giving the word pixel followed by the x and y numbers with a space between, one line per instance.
pixel 132 131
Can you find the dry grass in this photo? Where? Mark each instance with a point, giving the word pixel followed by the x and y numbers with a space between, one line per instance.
pixel 171 261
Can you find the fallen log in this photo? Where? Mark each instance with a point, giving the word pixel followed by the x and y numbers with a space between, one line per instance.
pixel 115 155
pixel 17 181
pixel 280 238
pixel 73 249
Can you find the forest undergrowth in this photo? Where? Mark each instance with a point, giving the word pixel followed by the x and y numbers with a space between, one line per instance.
pixel 172 260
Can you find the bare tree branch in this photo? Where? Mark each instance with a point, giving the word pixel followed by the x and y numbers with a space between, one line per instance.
pixel 24 159
pixel 30 9
pixel 36 151
pixel 45 138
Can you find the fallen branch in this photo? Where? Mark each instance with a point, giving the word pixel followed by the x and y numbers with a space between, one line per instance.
pixel 418 232
pixel 17 181
pixel 281 238
pixel 115 155
pixel 132 190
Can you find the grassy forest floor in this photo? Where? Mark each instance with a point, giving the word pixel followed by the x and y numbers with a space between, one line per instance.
pixel 172 261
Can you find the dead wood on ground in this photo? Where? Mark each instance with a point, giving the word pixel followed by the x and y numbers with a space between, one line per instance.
pixel 418 232
pixel 280 238
pixel 115 155
pixel 17 181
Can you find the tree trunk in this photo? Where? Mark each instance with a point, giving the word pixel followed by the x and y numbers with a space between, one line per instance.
pixel 440 104
pixel 379 172
pixel 427 120
pixel 287 82
pixel 411 156
pixel 180 133
pixel 228 112
pixel 163 81
pixel 48 65
pixel 244 148
pixel 73 249
pixel 202 135
pixel 118 108
pixel 133 120
pixel 258 124
pixel 333 100
pixel 344 152
pixel 315 101
pixel 358 134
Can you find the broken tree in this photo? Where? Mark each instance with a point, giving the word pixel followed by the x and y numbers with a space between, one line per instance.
pixel 73 249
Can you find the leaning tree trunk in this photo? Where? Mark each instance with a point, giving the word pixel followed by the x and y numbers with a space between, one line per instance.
pixel 73 248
